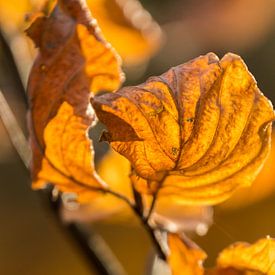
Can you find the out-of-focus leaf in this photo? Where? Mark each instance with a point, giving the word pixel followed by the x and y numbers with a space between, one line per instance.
pixel 238 259
pixel 184 258
pixel 114 169
pixel 258 257
pixel 125 23
pixel 199 131
pixel 73 62
pixel 12 12
pixel 263 187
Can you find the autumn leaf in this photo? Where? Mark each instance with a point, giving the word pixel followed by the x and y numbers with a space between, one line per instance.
pixel 258 257
pixel 73 62
pixel 184 258
pixel 238 259
pixel 200 130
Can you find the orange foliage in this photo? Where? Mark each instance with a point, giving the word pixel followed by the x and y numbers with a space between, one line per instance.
pixel 237 259
pixel 200 131
pixel 183 258
pixel 258 257
pixel 193 135
pixel 73 60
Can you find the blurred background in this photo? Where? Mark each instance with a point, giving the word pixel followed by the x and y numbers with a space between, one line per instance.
pixel 150 39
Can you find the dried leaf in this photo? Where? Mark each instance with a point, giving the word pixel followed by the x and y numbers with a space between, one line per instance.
pixel 258 257
pixel 200 130
pixel 185 258
pixel 73 62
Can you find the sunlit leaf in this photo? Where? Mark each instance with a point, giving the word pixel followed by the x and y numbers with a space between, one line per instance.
pixel 184 258
pixel 200 130
pixel 73 62
pixel 258 257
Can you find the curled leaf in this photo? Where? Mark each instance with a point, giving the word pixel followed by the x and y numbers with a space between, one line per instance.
pixel 73 62
pixel 258 257
pixel 199 131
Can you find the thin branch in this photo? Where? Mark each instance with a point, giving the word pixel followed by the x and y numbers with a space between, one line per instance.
pixel 151 209
pixel 94 248
pixel 17 81
pixel 139 211
pixel 15 133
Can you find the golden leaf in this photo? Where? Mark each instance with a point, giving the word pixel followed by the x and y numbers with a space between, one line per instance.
pixel 258 257
pixel 73 62
pixel 200 130
pixel 184 259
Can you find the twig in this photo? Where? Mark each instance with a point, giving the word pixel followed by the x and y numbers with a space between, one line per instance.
pixel 96 250
pixel 138 210
pixel 15 133
pixel 155 199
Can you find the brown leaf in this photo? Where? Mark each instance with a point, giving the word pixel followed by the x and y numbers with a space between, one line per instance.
pixel 201 130
pixel 73 62
pixel 185 258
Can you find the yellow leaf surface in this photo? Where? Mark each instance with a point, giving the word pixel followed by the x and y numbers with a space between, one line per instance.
pixel 258 257
pixel 184 258
pixel 200 130
pixel 73 62
pixel 125 23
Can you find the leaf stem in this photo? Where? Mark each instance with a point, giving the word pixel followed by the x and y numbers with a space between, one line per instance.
pixel 155 199
pixel 138 210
